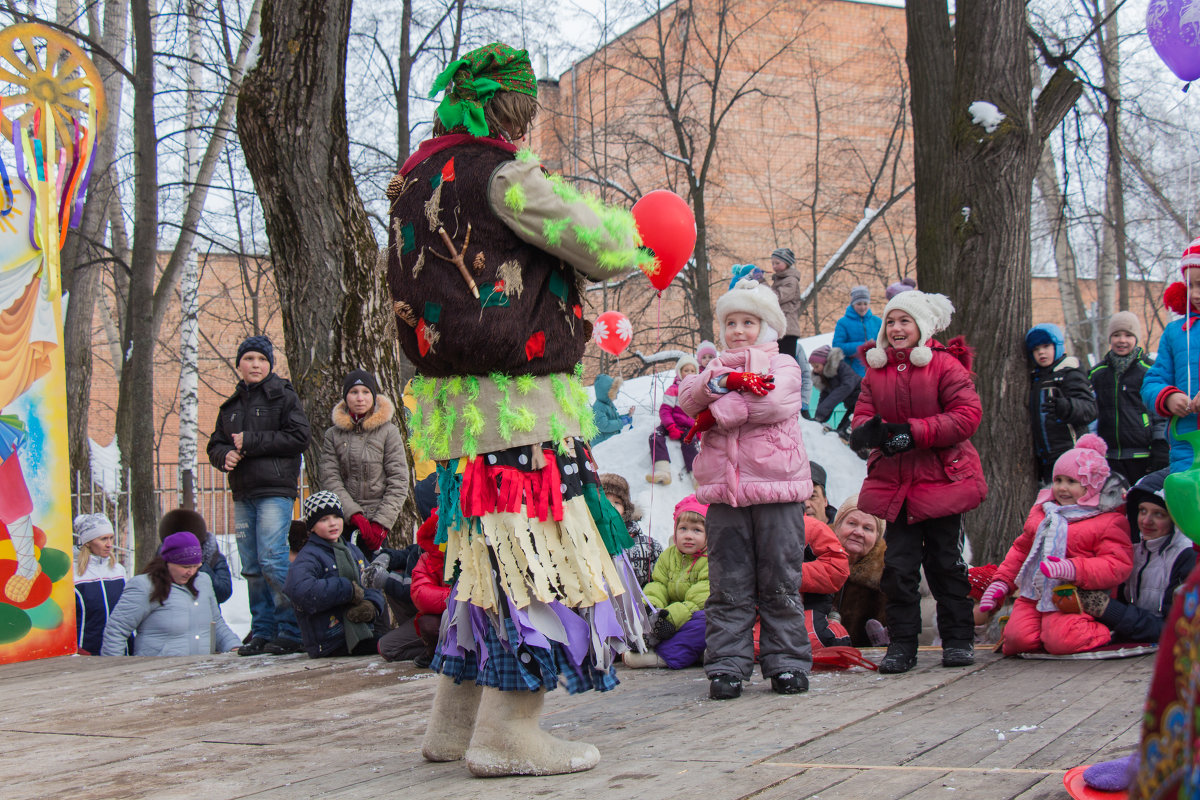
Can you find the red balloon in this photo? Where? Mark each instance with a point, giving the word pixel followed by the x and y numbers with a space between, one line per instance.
pixel 668 227
pixel 612 332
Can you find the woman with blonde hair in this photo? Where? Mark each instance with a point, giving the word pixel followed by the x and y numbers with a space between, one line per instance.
pixel 99 580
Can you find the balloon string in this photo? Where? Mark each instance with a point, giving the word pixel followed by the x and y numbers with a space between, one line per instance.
pixel 654 406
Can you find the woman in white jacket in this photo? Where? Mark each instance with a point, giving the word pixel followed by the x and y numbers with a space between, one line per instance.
pixel 170 607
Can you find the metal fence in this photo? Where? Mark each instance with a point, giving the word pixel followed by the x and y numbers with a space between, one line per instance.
pixel 213 502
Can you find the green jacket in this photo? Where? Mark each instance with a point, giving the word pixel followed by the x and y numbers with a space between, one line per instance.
pixel 679 584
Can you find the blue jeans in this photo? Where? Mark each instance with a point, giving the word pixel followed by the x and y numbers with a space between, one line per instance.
pixel 262 540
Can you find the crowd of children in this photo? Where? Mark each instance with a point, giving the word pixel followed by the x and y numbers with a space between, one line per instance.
pixel 533 572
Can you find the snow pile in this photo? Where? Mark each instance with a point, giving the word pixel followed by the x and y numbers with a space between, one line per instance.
pixel 628 453
pixel 986 115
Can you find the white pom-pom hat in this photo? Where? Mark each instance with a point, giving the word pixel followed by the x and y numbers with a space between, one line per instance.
pixel 932 314
pixel 751 297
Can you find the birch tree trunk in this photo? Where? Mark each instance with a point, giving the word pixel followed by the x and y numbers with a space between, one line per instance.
pixel 1113 260
pixel 189 283
pixel 1074 315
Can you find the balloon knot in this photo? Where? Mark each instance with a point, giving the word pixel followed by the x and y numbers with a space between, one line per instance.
pixel 1187 86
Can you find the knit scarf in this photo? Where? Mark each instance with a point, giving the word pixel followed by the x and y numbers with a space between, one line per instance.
pixel 1049 540
pixel 355 631
pixel 1121 363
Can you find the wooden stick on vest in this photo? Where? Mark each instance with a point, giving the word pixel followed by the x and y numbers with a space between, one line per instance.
pixel 456 258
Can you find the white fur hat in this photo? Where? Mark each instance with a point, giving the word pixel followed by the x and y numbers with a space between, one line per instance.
pixel 932 314
pixel 685 360
pixel 751 297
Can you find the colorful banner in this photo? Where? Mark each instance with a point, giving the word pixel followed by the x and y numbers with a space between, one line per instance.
pixel 48 114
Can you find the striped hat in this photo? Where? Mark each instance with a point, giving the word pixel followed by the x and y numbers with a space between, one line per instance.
pixel 1191 257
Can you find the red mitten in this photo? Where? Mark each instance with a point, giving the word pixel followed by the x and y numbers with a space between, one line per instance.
pixel 360 522
pixel 1060 568
pixel 674 431
pixel 704 421
pixel 750 382
pixel 376 537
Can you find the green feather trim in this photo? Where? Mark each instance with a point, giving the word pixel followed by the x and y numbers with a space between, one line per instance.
pixel 590 238
pixel 525 384
pixel 558 432
pixel 454 387
pixel 528 156
pixel 553 229
pixel 525 419
pixel 514 198
pixel 473 388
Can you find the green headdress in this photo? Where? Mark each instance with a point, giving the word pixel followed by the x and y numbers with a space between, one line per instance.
pixel 474 78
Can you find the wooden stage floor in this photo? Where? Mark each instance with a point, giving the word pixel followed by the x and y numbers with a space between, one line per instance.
pixel 222 727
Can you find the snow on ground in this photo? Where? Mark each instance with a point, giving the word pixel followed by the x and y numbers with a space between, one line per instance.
pixel 628 453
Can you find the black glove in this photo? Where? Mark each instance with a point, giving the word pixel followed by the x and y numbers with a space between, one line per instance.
pixel 661 629
pixel 1058 407
pixel 897 438
pixel 868 435
pixel 1160 454
pixel 362 611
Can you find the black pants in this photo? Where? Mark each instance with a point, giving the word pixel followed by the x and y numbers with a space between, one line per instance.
pixel 937 545
pixel 1132 469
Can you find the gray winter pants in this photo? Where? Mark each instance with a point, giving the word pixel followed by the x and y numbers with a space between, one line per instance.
pixel 754 559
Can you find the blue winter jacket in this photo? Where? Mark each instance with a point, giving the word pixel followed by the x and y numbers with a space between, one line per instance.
pixel 321 597
pixel 97 591
pixel 608 420
pixel 854 330
pixel 1172 372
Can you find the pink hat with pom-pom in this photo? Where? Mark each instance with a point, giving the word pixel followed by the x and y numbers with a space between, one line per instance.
pixel 690 503
pixel 1086 464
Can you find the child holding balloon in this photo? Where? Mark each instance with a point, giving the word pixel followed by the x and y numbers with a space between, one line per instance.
pixel 753 473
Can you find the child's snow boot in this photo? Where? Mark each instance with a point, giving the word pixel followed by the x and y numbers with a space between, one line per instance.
pixel 642 660
pixel 661 474
pixel 451 721
pixel 508 741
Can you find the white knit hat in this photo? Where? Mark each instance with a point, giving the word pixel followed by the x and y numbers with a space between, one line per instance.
pixel 92 526
pixel 751 297
pixel 932 314
pixel 685 360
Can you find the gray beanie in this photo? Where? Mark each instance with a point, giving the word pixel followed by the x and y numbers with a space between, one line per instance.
pixel 1125 321
pixel 785 255
pixel 860 293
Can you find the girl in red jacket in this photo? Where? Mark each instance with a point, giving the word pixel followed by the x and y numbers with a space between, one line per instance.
pixel 916 411
pixel 1073 535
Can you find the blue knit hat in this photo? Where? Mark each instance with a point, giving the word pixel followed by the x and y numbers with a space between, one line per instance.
pixel 258 344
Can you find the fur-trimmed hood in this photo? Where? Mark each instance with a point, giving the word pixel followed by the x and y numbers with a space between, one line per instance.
pixel 380 415
pixel 868 570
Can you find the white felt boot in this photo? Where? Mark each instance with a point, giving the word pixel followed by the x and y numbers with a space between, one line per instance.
pixel 451 721
pixel 661 474
pixel 642 660
pixel 508 741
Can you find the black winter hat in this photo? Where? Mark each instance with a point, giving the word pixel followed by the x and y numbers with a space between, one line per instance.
pixel 178 520
pixel 818 474
pixel 320 505
pixel 259 344
pixel 360 377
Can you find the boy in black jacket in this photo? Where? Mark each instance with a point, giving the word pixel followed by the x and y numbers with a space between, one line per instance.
pixel 1135 435
pixel 1061 403
pixel 261 432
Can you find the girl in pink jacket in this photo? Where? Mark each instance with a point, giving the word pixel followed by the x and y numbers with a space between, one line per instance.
pixel 1074 534
pixel 675 424
pixel 753 472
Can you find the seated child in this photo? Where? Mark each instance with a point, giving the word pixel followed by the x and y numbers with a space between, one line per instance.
pixel 645 551
pixel 826 568
pixel 99 580
pixel 333 609
pixel 838 384
pixel 1074 534
pixel 1061 402
pixel 679 589
pixel 675 424
pixel 215 566
pixel 415 635
pixel 608 420
pixel 1162 559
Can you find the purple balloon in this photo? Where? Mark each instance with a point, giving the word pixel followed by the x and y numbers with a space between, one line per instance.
pixel 1174 30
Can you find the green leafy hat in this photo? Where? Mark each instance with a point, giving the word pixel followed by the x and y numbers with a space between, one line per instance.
pixel 473 79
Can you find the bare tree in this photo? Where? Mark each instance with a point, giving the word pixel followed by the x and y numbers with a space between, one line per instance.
pixel 973 193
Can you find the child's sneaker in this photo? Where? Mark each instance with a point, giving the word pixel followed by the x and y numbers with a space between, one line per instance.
pixel 724 687
pixel 789 683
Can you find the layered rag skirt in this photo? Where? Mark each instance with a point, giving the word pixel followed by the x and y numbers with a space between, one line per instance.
pixel 542 592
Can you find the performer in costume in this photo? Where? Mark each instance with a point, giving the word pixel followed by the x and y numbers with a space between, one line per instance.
pixel 486 260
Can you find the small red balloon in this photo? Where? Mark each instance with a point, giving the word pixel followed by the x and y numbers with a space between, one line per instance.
pixel 668 227
pixel 612 332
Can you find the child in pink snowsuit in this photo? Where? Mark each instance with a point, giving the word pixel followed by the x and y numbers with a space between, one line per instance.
pixel 1073 535
pixel 753 473
pixel 675 423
